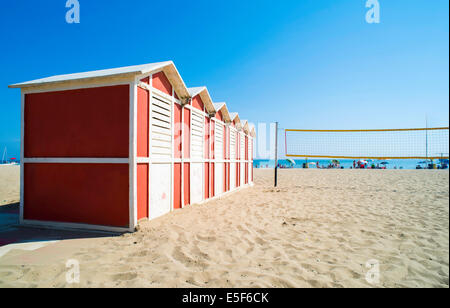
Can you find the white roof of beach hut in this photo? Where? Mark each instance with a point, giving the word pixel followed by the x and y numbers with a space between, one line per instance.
pixel 204 95
pixel 168 67
pixel 245 127
pixel 234 116
pixel 223 108
pixel 252 131
pixel 218 106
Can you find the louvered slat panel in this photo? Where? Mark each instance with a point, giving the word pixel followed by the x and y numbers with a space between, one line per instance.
pixel 161 121
pixel 197 135
pixel 218 141
pixel 233 145
pixel 242 147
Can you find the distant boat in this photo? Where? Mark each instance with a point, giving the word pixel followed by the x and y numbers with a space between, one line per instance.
pixel 291 161
pixel 5 160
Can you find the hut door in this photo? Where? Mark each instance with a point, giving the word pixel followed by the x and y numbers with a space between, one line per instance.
pixel 161 155
pixel 250 158
pixel 242 158
pixel 232 157
pixel 160 182
pixel 197 127
pixel 218 150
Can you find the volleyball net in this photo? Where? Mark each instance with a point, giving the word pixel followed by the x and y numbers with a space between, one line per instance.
pixel 379 144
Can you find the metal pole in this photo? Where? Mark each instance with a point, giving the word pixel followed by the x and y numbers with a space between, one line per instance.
pixel 276 153
pixel 426 141
pixel 426 138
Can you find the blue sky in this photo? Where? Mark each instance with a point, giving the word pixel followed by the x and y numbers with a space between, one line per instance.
pixel 312 64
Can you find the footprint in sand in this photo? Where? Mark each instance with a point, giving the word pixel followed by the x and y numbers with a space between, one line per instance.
pixel 207 239
pixel 124 276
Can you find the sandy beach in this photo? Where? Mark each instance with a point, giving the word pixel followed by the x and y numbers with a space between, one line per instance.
pixel 319 228
pixel 9 184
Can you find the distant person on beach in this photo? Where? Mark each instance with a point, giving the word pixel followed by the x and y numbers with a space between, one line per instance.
pixel 354 164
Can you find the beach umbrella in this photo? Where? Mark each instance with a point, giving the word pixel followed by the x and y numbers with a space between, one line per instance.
pixel 384 163
pixel 291 161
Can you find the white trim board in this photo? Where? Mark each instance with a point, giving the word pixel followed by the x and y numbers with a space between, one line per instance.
pixel 132 213
pixel 22 155
pixel 69 160
pixel 76 87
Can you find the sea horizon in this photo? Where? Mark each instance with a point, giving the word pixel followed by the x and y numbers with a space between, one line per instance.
pixel 408 164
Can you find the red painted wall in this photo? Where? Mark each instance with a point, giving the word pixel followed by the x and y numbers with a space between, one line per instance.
pixel 177 186
pixel 206 190
pixel 246 173
pixel 246 148
pixel 238 175
pixel 187 133
pixel 160 82
pixel 187 186
pixel 78 193
pixel 228 177
pixel 90 122
pixel 197 103
pixel 142 190
pixel 211 175
pixel 238 164
pixel 207 139
pixel 229 145
pixel 225 177
pixel 225 142
pixel 211 140
pixel 142 123
pixel 218 116
pixel 177 131
pixel 238 145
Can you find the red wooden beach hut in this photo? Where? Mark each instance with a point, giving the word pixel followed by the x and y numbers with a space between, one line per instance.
pixel 104 149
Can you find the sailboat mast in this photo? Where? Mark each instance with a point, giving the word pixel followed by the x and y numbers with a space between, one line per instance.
pixel 4 155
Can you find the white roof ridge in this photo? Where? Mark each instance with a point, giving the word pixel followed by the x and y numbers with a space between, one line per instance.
pixel 219 106
pixel 233 115
pixel 194 91
pixel 135 69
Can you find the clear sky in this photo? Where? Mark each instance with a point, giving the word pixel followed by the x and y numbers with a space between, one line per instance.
pixel 313 64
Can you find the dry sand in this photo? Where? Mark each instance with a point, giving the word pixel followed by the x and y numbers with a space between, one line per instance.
pixel 318 229
pixel 9 184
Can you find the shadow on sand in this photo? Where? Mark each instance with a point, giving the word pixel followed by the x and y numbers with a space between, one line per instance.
pixel 13 233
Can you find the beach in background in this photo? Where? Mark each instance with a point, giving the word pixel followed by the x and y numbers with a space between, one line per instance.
pixel 9 184
pixel 319 228
pixel 408 164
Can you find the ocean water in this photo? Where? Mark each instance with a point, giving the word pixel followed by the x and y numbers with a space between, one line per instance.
pixel 346 163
